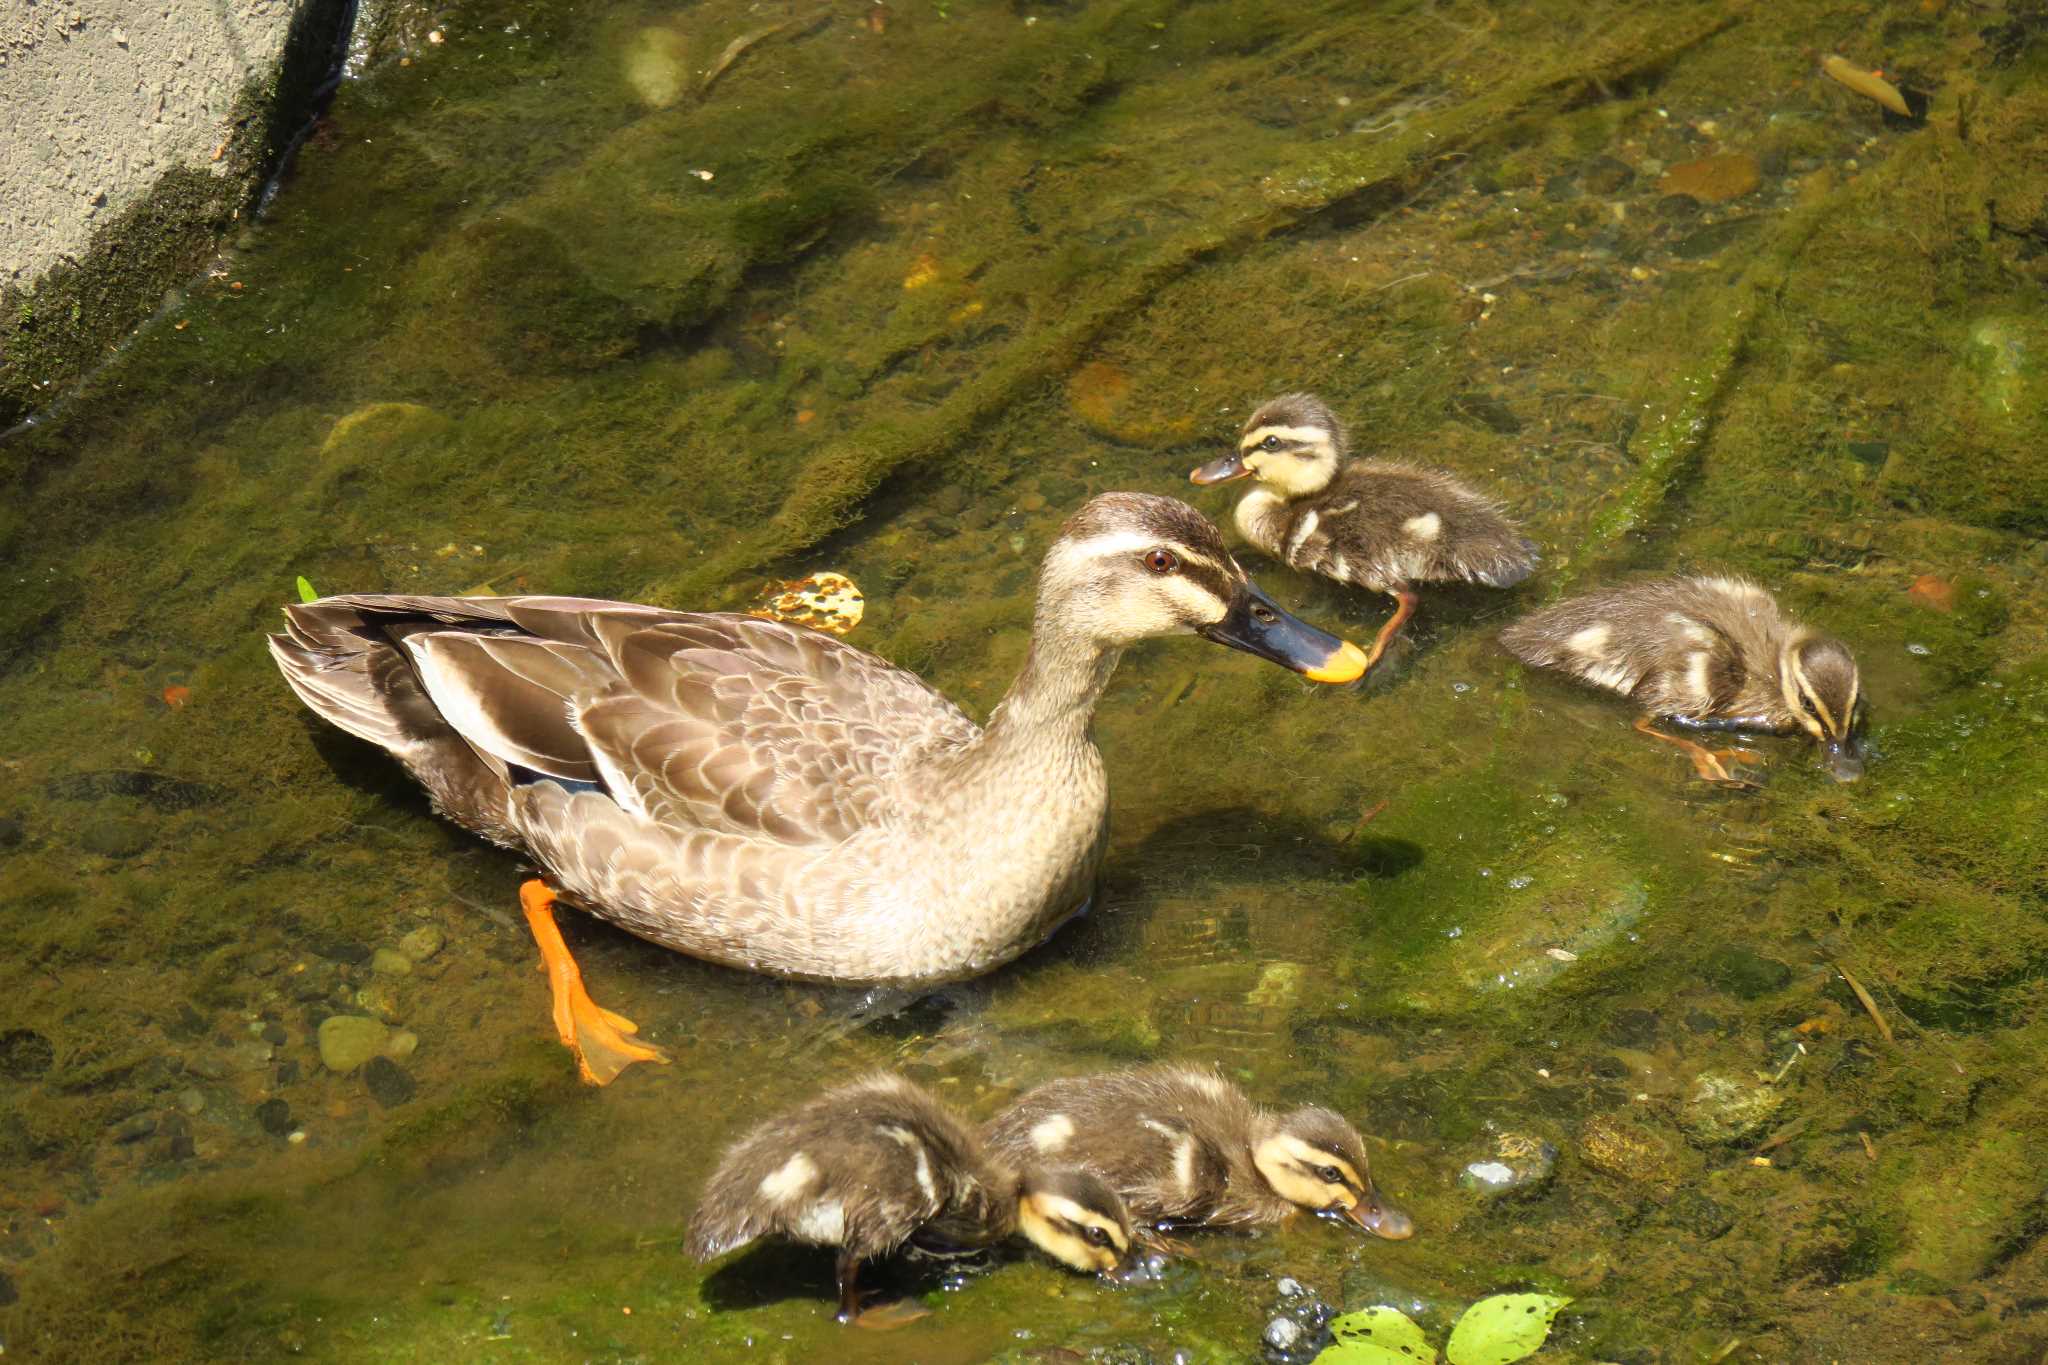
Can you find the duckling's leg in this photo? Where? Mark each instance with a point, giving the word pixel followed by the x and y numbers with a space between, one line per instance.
pixel 1408 602
pixel 1708 763
pixel 595 1035
pixel 1163 1242
pixel 880 1318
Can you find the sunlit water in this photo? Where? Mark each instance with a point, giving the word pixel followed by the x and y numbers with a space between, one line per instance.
pixel 537 310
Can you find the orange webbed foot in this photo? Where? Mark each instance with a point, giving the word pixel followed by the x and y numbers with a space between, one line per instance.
pixel 599 1038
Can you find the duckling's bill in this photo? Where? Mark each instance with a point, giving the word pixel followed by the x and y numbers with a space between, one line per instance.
pixel 1222 469
pixel 1379 1218
pixel 1256 624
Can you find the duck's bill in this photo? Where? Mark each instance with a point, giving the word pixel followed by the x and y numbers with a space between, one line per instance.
pixel 1844 758
pixel 1256 624
pixel 1380 1219
pixel 1221 470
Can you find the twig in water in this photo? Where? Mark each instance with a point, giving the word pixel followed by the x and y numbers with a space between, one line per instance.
pixel 1869 1147
pixel 1876 1015
pixel 1727 1349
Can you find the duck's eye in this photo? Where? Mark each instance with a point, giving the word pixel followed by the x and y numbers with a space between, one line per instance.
pixel 1161 561
pixel 1332 1175
pixel 1270 443
pixel 1097 1237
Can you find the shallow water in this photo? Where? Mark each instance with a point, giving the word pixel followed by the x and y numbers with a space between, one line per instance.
pixel 954 268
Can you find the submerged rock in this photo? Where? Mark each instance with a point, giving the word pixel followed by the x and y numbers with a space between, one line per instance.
pixel 1713 179
pixel 1627 1152
pixel 1723 1109
pixel 422 943
pixel 349 1040
pixel 388 1082
pixel 1517 1164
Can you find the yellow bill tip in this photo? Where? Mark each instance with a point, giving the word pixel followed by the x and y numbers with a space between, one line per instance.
pixel 1346 665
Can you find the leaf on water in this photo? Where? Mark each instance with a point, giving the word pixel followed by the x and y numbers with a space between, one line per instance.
pixel 306 593
pixel 1505 1327
pixel 1377 1336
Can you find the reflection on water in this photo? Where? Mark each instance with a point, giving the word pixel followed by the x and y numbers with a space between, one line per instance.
pixel 897 291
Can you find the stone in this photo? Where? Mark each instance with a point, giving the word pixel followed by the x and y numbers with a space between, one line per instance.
pixel 275 1114
pixel 390 962
pixel 422 943
pixel 349 1040
pixel 1627 1152
pixel 25 1055
pixel 1746 974
pixel 191 1100
pixel 173 1139
pixel 134 1128
pixel 379 999
pixel 1634 1028
pixel 1721 1109
pixel 402 1045
pixel 388 1084
pixel 1713 179
pixel 1515 1163
pixel 1282 1333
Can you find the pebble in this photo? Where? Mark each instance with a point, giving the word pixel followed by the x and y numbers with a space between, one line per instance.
pixel 1722 1109
pixel 349 1040
pixel 402 1045
pixel 191 1100
pixel 379 999
pixel 387 1082
pixel 134 1128
pixel 1626 1152
pixel 1282 1333
pixel 275 1115
pixel 1516 1163
pixel 422 943
pixel 250 1054
pixel 390 962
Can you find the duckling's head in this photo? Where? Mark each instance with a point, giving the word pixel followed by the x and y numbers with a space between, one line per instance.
pixel 1293 444
pixel 1821 686
pixel 1129 566
pixel 1313 1158
pixel 1074 1218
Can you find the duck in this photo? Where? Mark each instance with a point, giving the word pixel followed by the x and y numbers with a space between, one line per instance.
pixel 1184 1147
pixel 1382 525
pixel 880 1165
pixel 1706 653
pixel 767 796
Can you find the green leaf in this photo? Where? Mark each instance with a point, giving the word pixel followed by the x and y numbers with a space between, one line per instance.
pixel 1377 1336
pixel 306 593
pixel 1503 1328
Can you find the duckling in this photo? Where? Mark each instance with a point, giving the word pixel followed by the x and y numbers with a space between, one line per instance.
pixel 1378 524
pixel 1706 654
pixel 879 1165
pixel 1183 1146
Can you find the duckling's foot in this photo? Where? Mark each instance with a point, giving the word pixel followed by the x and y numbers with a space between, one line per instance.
pixel 1152 1239
pixel 594 1034
pixel 885 1316
pixel 1710 764
pixel 1408 602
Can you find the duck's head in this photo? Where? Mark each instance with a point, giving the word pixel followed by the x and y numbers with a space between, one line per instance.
pixel 1313 1158
pixel 1074 1218
pixel 1821 686
pixel 1293 444
pixel 1129 566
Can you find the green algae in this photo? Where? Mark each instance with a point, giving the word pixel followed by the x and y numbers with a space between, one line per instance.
pixel 593 377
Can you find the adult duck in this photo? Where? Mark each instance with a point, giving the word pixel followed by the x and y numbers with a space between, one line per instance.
pixel 767 796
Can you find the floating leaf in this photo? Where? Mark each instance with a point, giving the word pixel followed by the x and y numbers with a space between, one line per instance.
pixel 1377 1336
pixel 306 593
pixel 1503 1328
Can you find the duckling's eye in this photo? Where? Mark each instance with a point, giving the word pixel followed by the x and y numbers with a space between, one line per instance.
pixel 1161 561
pixel 1332 1175
pixel 1097 1237
pixel 1270 443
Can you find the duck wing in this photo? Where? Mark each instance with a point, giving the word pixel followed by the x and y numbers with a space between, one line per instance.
pixel 690 720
